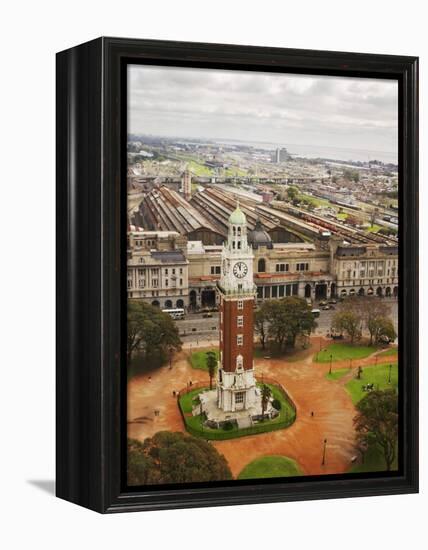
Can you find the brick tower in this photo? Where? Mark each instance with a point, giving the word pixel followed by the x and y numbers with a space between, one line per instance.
pixel 236 384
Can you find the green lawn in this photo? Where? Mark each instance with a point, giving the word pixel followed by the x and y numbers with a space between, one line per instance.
pixel 336 374
pixel 270 466
pixel 341 352
pixel 195 424
pixel 342 216
pixel 389 352
pixel 373 462
pixel 198 359
pixel 186 400
pixel 374 229
pixel 314 200
pixel 377 375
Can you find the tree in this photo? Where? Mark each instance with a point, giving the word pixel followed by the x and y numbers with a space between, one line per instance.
pixel 351 175
pixel 289 318
pixel 382 327
pixel 261 322
pixel 373 216
pixel 211 361
pixel 292 193
pixel 150 331
pixel 174 457
pixel 265 395
pixel 349 322
pixel 377 423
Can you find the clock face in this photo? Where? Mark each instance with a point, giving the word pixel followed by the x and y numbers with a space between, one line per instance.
pixel 240 269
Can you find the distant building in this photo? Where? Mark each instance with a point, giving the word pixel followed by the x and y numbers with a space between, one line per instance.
pixel 280 155
pixel 186 184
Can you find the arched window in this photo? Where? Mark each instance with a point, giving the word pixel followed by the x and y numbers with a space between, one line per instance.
pixel 239 362
pixel 261 266
pixel 239 231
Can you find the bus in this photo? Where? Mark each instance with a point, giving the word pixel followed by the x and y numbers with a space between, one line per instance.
pixel 316 312
pixel 175 313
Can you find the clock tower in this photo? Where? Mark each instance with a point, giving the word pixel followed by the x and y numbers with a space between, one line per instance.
pixel 236 384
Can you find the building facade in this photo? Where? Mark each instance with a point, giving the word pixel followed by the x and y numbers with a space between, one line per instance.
pixel 157 269
pixel 190 276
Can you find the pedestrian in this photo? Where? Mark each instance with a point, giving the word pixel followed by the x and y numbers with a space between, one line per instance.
pixel 312 413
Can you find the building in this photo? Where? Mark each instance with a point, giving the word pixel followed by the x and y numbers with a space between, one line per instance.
pixel 157 269
pixel 186 184
pixel 163 209
pixel 365 270
pixel 280 155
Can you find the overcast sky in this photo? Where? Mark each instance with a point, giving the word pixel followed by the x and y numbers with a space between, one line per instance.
pixel 341 112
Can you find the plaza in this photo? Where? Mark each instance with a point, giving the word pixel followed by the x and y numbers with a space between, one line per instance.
pixel 307 384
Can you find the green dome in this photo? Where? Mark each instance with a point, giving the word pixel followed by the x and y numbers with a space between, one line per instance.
pixel 238 217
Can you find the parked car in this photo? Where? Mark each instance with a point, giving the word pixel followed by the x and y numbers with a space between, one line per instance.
pixel 326 307
pixel 207 315
pixel 332 301
pixel 323 303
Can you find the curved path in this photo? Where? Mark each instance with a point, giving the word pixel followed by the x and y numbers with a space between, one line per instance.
pixel 152 407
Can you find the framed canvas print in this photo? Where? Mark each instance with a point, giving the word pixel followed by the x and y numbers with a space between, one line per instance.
pixel 237 279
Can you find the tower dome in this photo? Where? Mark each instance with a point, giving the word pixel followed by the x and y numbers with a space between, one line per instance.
pixel 259 236
pixel 237 217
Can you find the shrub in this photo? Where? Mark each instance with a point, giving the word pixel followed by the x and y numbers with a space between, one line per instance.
pixel 227 426
pixel 276 404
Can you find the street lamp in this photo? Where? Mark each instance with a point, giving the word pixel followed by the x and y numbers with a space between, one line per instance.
pixel 323 453
pixel 331 358
pixel 389 376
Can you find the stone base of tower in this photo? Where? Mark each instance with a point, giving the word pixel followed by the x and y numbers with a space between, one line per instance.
pixel 216 417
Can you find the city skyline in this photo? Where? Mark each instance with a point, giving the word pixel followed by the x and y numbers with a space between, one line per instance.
pixel 333 112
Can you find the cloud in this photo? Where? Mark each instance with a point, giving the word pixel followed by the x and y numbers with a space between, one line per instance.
pixel 278 108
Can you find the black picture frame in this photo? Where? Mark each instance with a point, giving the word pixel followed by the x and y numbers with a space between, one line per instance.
pixel 91 250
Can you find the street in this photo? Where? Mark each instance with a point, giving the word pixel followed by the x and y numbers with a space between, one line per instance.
pixel 195 328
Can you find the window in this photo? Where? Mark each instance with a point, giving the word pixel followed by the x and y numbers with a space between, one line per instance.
pixel 166 271
pixel 261 266
pixel 240 340
pixel 302 267
pixel 166 282
pixel 240 320
pixel 181 282
pixel 215 270
pixel 155 283
pixel 240 304
pixel 239 397
pixel 282 267
pixel 181 271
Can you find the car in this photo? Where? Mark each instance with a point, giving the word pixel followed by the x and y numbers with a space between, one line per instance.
pixel 332 301
pixel 207 315
pixel 326 307
pixel 323 303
